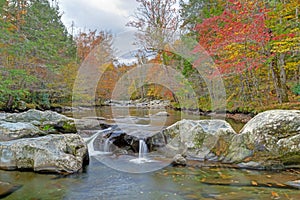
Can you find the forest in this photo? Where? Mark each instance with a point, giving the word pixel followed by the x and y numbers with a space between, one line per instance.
pixel 254 44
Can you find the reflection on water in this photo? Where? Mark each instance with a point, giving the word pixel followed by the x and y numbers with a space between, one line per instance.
pixel 144 116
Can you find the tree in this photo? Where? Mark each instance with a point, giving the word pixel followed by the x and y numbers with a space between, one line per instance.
pixel 193 12
pixel 46 37
pixel 34 43
pixel 14 86
pixel 237 39
pixel 157 22
pixel 96 54
pixel 86 42
pixel 283 21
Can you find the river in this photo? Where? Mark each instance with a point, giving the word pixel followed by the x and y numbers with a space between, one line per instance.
pixel 97 181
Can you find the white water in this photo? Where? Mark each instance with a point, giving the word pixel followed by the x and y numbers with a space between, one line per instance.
pixel 106 147
pixel 143 150
pixel 90 142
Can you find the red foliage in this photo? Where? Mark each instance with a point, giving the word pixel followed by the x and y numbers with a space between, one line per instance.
pixel 236 38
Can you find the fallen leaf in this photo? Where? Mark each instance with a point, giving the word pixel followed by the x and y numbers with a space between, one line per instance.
pixel 254 183
pixel 287 196
pixel 279 184
pixel 275 194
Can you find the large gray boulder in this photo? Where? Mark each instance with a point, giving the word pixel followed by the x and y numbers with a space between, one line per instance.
pixel 198 139
pixel 43 119
pixel 53 153
pixel 12 131
pixel 271 137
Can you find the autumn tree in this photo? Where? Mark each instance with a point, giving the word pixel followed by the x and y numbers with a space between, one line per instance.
pixel 193 12
pixel 237 39
pixel 87 41
pixel 95 54
pixel 283 21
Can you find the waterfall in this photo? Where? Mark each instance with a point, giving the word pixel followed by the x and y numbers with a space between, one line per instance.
pixel 106 147
pixel 90 141
pixel 143 150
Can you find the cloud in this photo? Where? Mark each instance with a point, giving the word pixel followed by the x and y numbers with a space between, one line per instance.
pixel 107 15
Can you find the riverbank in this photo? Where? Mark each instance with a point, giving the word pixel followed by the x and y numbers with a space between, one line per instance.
pixel 237 113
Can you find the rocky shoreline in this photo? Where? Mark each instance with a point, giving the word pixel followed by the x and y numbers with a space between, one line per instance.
pixel 49 142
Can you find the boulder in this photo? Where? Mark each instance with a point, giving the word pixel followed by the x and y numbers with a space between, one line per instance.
pixel 179 160
pixel 270 138
pixel 198 139
pixel 48 119
pixel 66 153
pixel 12 131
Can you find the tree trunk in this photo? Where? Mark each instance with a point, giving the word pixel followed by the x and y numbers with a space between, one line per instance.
pixel 279 79
pixel 276 80
pixel 284 88
pixel 9 103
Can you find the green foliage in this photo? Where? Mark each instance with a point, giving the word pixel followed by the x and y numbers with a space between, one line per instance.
pixel 46 36
pixel 14 86
pixel 48 128
pixel 296 89
pixel 34 44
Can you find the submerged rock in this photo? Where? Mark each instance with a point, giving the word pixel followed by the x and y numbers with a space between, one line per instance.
pixel 66 153
pixel 198 139
pixel 7 189
pixel 271 138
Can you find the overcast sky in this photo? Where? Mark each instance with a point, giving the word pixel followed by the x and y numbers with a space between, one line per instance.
pixel 109 15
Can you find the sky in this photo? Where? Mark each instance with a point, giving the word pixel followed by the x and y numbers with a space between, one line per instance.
pixel 107 15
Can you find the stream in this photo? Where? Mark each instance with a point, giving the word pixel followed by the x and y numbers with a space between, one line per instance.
pixel 98 181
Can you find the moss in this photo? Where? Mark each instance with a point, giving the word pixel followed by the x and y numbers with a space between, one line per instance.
pixel 199 140
pixel 47 127
pixel 291 159
pixel 69 128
